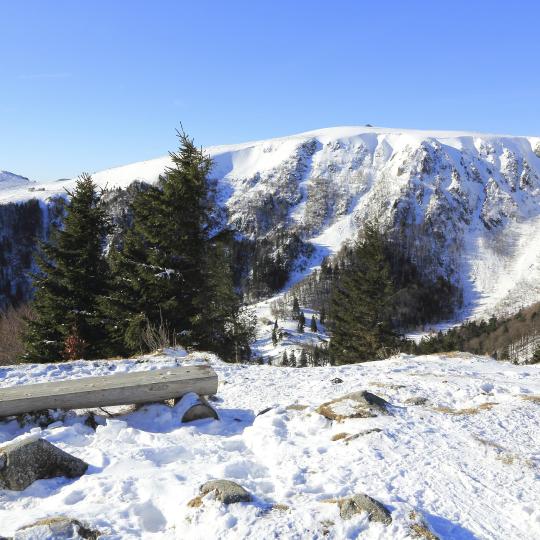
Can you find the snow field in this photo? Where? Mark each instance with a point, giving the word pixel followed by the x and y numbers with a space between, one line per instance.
pixel 469 470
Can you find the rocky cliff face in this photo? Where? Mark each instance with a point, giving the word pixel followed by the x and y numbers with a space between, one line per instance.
pixel 465 205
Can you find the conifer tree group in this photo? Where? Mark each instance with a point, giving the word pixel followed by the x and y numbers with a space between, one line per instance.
pixel 170 283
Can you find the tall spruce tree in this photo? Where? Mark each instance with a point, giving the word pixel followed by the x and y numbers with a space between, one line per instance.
pixel 359 314
pixel 173 272
pixel 71 284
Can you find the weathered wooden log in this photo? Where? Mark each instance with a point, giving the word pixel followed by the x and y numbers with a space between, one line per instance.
pixel 117 389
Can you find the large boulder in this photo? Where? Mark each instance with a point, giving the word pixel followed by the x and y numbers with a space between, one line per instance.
pixel 57 528
pixel 226 491
pixel 359 503
pixel 24 462
pixel 361 404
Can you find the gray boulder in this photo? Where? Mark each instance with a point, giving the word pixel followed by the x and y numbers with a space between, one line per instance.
pixel 57 528
pixel 364 503
pixel 24 462
pixel 226 491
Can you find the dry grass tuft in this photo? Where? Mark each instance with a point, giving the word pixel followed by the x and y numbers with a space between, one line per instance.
pixel 534 399
pixel 470 410
pixel 296 407
pixel 420 529
pixel 195 502
pixel 339 436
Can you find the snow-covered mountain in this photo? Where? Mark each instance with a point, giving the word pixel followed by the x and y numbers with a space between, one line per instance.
pixel 10 181
pixel 467 204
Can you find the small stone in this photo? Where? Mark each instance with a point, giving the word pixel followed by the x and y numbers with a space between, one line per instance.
pixel 417 400
pixel 264 411
pixel 57 528
pixel 226 491
pixel 337 380
pixel 34 459
pixel 364 503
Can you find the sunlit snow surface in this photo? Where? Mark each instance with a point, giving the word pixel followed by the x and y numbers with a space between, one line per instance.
pixel 469 475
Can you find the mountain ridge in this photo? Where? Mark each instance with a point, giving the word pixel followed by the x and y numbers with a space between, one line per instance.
pixel 465 204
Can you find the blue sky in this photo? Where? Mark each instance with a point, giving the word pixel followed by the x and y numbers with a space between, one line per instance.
pixel 85 85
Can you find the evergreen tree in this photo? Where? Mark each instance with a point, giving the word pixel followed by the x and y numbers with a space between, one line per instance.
pixel 274 337
pixel 361 324
pixel 316 356
pixel 173 271
pixel 71 284
pixel 313 325
pixel 295 309
pixel 301 322
pixel 292 359
pixel 322 318
pixel 284 359
pixel 303 359
pixel 221 324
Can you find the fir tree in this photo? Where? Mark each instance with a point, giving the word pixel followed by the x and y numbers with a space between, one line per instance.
pixel 174 270
pixel 322 318
pixel 295 309
pixel 313 325
pixel 71 284
pixel 316 356
pixel 301 322
pixel 274 337
pixel 302 362
pixel 284 359
pixel 292 359
pixel 361 325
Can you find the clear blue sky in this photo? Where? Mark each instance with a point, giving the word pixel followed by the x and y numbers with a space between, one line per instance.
pixel 86 85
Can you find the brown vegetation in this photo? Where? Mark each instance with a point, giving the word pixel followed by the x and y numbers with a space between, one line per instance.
pixel 12 325
pixel 469 410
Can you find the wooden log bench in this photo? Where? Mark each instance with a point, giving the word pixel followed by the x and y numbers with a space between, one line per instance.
pixel 117 389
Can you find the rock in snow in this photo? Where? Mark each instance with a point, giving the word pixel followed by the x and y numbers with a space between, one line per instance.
pixel 226 491
pixel 56 528
pixel 24 462
pixel 364 503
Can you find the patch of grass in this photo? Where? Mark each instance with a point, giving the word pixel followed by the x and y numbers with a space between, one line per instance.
pixel 469 410
pixel 280 507
pixel 196 502
pixel 296 407
pixel 533 398
pixel 420 529
pixel 339 436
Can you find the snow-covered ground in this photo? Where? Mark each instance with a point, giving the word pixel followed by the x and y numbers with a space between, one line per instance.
pixel 469 470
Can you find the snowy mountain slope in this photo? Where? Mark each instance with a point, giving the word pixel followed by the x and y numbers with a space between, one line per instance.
pixel 10 181
pixel 466 205
pixel 466 460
